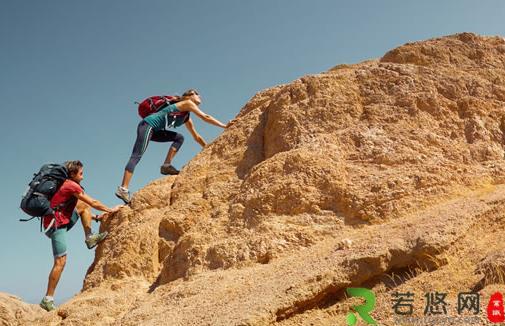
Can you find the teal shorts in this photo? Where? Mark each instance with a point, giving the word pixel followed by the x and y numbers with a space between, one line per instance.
pixel 59 236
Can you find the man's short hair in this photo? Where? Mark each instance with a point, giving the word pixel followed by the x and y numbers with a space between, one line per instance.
pixel 73 167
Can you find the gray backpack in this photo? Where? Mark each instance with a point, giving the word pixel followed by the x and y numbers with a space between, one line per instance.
pixel 45 183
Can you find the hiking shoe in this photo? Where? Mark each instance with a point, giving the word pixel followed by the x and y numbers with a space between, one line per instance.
pixel 123 194
pixel 168 169
pixel 47 305
pixel 94 239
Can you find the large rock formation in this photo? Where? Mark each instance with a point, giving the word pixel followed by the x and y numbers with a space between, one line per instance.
pixel 386 174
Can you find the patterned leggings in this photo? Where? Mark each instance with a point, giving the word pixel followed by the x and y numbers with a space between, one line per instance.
pixel 145 133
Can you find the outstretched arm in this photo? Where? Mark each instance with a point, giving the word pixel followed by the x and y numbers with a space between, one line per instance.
pixel 191 127
pixel 188 105
pixel 96 204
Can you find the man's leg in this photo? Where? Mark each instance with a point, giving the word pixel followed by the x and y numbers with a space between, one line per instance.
pixel 55 274
pixel 83 211
pixel 59 245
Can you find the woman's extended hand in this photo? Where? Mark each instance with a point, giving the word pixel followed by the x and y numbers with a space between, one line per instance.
pixel 231 122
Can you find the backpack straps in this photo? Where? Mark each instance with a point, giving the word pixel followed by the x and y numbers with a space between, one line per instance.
pixel 51 224
pixel 151 104
pixel 171 123
pixel 174 116
pixel 41 218
pixel 27 219
pixel 164 98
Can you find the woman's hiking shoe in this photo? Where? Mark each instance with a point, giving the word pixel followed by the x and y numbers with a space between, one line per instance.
pixel 167 169
pixel 47 305
pixel 123 194
pixel 93 239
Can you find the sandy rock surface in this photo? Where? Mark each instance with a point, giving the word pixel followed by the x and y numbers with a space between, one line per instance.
pixel 388 174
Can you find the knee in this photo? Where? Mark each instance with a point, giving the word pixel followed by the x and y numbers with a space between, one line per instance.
pixel 179 138
pixel 82 207
pixel 132 163
pixel 59 262
pixel 134 158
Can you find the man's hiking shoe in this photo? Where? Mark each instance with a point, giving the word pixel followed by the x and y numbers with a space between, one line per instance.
pixel 94 239
pixel 168 169
pixel 47 305
pixel 123 194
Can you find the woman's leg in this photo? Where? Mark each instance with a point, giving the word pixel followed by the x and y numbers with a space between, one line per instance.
pixel 178 140
pixel 144 134
pixel 169 136
pixel 170 155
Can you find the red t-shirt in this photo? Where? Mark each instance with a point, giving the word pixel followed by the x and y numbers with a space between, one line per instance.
pixel 65 194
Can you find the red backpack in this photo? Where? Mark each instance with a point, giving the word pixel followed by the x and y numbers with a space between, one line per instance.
pixel 153 104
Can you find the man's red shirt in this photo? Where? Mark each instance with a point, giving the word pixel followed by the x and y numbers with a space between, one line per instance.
pixel 65 196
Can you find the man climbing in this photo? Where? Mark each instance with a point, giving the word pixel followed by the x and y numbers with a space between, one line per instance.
pixel 69 204
pixel 173 112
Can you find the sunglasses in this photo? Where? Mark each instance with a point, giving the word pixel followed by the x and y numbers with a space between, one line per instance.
pixel 192 93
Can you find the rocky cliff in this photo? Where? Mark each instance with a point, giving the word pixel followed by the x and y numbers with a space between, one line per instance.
pixel 387 174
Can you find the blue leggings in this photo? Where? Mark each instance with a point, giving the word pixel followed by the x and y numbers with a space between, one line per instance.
pixel 145 133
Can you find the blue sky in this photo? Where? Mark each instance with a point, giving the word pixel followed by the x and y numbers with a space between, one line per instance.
pixel 71 70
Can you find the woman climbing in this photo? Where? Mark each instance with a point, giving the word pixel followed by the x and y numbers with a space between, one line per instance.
pixel 173 112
